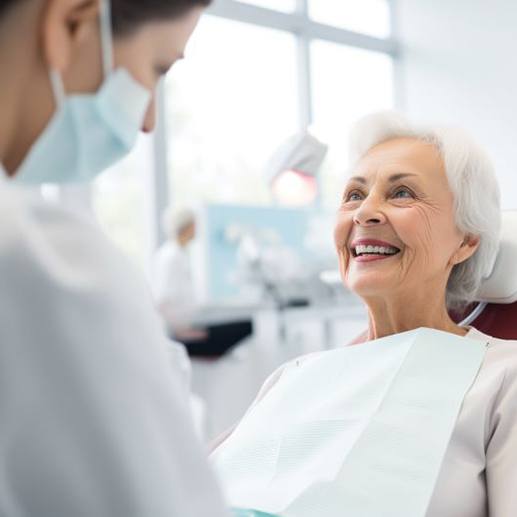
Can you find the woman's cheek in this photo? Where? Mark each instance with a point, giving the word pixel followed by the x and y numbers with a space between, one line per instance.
pixel 341 236
pixel 342 231
pixel 410 223
pixel 415 229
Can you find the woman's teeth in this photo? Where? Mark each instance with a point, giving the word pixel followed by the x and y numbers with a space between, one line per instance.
pixel 375 250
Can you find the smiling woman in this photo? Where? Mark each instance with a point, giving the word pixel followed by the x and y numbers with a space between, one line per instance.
pixel 413 214
pixel 419 417
pixel 432 194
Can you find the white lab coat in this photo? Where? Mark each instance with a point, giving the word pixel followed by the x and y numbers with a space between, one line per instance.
pixel 93 419
pixel 173 285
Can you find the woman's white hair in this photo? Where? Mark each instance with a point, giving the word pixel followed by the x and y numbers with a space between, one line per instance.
pixel 472 180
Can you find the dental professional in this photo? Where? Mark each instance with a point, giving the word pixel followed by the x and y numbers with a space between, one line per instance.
pixel 94 420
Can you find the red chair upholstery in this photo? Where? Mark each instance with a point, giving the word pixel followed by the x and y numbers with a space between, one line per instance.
pixel 498 320
pixel 499 291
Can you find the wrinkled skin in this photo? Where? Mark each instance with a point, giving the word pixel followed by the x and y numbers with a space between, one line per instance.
pixel 398 193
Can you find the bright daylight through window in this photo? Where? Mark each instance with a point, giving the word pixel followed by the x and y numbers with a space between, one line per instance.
pixel 245 87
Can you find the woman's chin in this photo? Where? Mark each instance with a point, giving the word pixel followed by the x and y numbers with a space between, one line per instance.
pixel 369 284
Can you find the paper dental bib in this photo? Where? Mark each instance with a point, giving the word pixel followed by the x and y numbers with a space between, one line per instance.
pixel 357 431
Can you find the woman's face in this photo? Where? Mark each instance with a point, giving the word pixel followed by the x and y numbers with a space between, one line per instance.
pixel 396 229
pixel 64 35
pixel 148 54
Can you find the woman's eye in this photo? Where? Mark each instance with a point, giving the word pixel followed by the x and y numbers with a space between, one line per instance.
pixel 354 196
pixel 403 193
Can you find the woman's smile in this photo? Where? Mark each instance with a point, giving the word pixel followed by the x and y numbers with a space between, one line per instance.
pixel 372 250
pixel 396 225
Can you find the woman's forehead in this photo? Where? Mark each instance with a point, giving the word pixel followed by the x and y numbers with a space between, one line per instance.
pixel 401 155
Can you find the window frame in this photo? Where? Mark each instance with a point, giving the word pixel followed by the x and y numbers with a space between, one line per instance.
pixel 305 30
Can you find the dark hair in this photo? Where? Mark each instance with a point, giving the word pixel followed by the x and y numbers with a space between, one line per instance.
pixel 6 4
pixel 128 15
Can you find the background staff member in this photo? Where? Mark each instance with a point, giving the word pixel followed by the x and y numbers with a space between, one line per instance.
pixel 175 292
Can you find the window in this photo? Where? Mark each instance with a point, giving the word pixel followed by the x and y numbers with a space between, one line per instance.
pixel 252 79
pixel 370 17
pixel 230 104
pixel 347 83
pixel 119 197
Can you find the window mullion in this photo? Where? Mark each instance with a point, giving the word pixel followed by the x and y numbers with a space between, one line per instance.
pixel 158 186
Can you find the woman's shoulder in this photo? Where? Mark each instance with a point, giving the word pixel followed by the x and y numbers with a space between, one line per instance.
pixel 501 354
pixel 499 376
pixel 495 344
pixel 26 220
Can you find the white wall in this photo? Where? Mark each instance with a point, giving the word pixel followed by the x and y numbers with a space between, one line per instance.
pixel 459 66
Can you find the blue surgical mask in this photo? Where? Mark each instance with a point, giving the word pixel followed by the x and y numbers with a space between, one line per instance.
pixel 89 132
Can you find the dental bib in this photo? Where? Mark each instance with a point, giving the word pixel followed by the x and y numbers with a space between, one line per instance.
pixel 360 430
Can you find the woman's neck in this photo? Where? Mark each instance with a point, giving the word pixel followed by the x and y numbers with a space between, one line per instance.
pixel 8 73
pixel 20 63
pixel 7 109
pixel 396 314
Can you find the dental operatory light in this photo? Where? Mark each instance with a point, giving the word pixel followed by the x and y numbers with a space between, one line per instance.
pixel 293 169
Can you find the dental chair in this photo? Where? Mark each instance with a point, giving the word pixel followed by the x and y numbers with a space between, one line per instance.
pixel 495 313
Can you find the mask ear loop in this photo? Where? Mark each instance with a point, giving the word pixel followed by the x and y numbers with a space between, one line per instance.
pixel 56 81
pixel 58 89
pixel 106 36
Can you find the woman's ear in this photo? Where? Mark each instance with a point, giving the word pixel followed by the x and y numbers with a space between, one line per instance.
pixel 65 25
pixel 467 248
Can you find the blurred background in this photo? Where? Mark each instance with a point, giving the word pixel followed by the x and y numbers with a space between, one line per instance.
pixel 261 262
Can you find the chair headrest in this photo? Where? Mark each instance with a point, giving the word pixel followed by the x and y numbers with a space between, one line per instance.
pixel 501 285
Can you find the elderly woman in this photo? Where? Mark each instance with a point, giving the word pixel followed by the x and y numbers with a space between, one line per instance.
pixel 420 417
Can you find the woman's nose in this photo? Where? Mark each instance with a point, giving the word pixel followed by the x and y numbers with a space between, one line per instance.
pixel 369 213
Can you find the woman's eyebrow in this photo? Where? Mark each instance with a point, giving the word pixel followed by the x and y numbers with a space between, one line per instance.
pixel 359 179
pixel 399 176
pixel 391 179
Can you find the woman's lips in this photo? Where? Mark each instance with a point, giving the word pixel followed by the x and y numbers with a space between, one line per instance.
pixel 372 258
